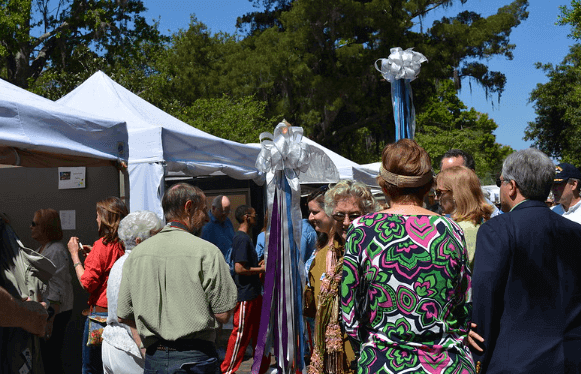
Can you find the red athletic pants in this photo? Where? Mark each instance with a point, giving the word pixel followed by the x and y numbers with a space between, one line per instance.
pixel 246 323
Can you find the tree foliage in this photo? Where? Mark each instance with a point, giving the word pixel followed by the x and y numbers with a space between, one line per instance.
pixel 446 123
pixel 556 129
pixel 314 65
pixel 571 16
pixel 241 120
pixel 64 36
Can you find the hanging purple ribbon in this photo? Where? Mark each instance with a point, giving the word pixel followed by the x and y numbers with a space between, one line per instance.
pixel 400 68
pixel 282 157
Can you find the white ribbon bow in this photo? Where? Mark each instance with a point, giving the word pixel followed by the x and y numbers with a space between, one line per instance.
pixel 284 151
pixel 401 64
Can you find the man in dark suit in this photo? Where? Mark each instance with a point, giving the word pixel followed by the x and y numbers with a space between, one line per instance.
pixel 527 277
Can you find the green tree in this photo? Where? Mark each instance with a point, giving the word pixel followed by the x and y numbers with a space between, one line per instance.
pixel 314 64
pixel 447 123
pixel 67 36
pixel 556 129
pixel 572 17
pixel 241 120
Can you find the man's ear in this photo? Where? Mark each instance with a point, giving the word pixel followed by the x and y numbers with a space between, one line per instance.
pixel 512 189
pixel 188 206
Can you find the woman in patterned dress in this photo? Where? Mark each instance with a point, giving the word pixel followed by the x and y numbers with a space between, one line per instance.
pixel 405 292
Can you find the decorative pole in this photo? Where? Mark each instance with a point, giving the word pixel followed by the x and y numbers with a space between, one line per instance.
pixel 282 158
pixel 400 68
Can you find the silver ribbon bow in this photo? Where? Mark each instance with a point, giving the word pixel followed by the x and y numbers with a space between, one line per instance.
pixel 401 64
pixel 284 151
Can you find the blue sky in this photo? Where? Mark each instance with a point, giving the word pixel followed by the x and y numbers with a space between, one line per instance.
pixel 537 39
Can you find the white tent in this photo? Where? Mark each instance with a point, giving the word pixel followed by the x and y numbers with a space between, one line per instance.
pixel 37 132
pixel 347 169
pixel 159 142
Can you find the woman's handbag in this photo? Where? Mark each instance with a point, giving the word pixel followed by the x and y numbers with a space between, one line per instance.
pixel 309 307
pixel 96 326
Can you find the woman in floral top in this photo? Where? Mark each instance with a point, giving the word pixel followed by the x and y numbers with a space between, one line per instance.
pixel 405 292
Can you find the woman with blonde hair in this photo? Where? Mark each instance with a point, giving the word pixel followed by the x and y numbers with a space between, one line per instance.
pixel 460 195
pixel 405 291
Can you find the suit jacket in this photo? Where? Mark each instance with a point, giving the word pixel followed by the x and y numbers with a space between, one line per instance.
pixel 527 292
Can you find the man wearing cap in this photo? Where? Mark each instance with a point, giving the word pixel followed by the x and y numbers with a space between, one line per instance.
pixel 566 192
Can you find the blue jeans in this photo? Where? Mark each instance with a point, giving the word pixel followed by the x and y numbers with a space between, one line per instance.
pixel 92 362
pixel 169 362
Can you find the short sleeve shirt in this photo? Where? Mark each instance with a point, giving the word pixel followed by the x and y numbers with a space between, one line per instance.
pixel 249 286
pixel 172 285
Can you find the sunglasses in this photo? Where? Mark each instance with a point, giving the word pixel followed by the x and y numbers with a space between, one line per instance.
pixel 440 192
pixel 340 217
pixel 33 224
pixel 499 181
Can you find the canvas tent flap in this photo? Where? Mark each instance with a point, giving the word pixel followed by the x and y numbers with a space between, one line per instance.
pixel 178 141
pixel 156 137
pixel 147 180
pixel 347 169
pixel 35 127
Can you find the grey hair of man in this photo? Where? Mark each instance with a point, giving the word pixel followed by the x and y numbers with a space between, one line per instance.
pixel 348 188
pixel 138 225
pixel 217 202
pixel 175 198
pixel 532 170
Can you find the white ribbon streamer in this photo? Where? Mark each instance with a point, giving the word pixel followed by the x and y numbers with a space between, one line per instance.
pixel 401 64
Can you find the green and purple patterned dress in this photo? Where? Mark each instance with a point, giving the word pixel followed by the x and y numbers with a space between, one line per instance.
pixel 406 294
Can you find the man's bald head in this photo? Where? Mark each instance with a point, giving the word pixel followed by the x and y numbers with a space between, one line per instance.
pixel 457 157
pixel 221 207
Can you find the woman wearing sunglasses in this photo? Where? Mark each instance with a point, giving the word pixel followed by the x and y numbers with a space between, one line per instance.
pixel 460 196
pixel 343 203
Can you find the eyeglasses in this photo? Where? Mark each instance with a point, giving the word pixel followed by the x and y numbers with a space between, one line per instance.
pixel 499 181
pixel 33 224
pixel 340 217
pixel 440 192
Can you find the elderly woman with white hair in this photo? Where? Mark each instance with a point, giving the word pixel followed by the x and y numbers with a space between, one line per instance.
pixel 120 350
pixel 344 202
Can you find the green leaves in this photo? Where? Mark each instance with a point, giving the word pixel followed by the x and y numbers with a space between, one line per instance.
pixel 241 119
pixel 446 123
pixel 556 129
pixel 109 30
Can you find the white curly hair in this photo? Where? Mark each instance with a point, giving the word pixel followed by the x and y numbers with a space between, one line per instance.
pixel 142 224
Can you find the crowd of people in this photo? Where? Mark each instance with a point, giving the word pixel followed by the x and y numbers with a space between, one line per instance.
pixel 391 286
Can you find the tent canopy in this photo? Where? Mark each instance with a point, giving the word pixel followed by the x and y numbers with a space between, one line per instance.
pixel 347 169
pixel 159 142
pixel 37 132
pixel 155 136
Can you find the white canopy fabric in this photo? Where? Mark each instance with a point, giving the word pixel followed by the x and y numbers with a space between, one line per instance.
pixel 38 132
pixel 348 169
pixel 160 142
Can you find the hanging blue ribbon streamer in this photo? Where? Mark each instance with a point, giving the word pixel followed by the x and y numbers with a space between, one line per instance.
pixel 403 109
pixel 400 68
